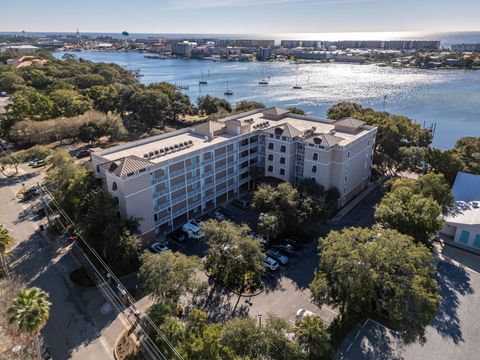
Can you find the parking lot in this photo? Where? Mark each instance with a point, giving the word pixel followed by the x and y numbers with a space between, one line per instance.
pixel 285 289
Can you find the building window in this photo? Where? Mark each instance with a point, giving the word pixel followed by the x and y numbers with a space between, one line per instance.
pixel 314 169
pixel 98 168
pixel 116 200
pixel 464 235
pixel 315 156
pixel 476 242
pixel 155 217
pixel 283 148
pixel 282 160
pixel 282 172
pixel 270 146
pixel 270 168
pixel 346 178
pixel 271 136
pixel 270 157
pixel 284 138
pixel 114 186
pixel 348 154
pixel 314 179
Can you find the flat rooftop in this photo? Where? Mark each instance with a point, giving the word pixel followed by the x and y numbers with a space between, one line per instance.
pixel 163 147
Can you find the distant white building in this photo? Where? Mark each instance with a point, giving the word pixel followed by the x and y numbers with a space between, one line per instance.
pixel 19 48
pixel 265 54
pixel 183 48
pixel 462 224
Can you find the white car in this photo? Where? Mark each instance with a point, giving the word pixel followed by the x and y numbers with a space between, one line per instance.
pixel 192 229
pixel 159 247
pixel 269 263
pixel 277 255
pixel 301 313
pixel 217 215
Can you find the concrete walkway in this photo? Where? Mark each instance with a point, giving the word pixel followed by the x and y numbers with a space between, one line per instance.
pixel 346 209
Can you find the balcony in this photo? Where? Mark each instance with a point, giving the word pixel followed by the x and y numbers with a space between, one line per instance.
pixel 163 220
pixel 161 207
pixel 178 186
pixel 192 180
pixel 159 179
pixel 206 162
pixel 157 194
pixel 178 199
pixel 177 172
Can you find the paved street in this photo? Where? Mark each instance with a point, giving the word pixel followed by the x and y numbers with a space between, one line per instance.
pixel 70 331
pixel 452 335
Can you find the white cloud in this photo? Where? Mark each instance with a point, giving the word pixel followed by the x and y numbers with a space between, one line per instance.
pixel 198 4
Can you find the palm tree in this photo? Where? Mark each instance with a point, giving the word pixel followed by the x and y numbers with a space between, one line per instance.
pixel 269 225
pixel 6 240
pixel 30 311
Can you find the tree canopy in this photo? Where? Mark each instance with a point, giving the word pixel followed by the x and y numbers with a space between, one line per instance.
pixel 373 269
pixel 169 276
pixel 233 257
pixel 410 213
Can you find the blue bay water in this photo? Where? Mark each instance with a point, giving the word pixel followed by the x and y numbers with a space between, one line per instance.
pixel 449 98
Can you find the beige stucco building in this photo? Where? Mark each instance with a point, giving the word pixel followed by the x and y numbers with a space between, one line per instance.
pixel 168 179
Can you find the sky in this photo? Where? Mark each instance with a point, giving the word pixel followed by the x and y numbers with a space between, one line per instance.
pixel 239 16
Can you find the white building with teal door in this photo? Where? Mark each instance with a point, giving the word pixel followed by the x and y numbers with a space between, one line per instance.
pixel 462 224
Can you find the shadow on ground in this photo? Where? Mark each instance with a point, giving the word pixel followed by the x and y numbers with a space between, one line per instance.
pixel 454 281
pixel 38 263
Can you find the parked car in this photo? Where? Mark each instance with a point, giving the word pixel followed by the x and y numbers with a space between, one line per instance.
pixel 259 238
pixel 269 263
pixel 178 236
pixel 242 203
pixel 294 243
pixel 301 313
pixel 217 215
pixel 159 247
pixel 82 154
pixel 37 163
pixel 3 94
pixel 286 248
pixel 277 255
pixel 192 229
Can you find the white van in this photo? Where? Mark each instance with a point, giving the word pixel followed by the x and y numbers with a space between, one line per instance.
pixel 192 229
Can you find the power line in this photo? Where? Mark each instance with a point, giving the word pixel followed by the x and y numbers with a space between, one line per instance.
pixel 105 288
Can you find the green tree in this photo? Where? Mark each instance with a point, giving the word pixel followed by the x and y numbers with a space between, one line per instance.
pixel 150 107
pixel 233 257
pixel 6 240
pixel 30 104
pixel 295 110
pixel 410 213
pixel 169 276
pixel 246 105
pixel 202 340
pixel 10 81
pixel 313 338
pixel 363 270
pixel 30 311
pixel 211 104
pixel 275 342
pixel 68 103
pixel 343 110
pixel 242 335
pixel 431 186
pixel 269 225
pixel 468 149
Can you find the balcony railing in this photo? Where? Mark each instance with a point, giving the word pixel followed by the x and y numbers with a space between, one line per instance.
pixel 178 186
pixel 159 179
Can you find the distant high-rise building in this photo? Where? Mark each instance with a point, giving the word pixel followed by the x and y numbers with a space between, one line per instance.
pixel 183 48
pixel 265 54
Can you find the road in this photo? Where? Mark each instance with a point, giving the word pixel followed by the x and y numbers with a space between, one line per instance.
pixel 70 331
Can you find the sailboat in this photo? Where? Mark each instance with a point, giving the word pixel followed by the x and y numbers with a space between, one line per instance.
pixel 296 86
pixel 262 79
pixel 228 92
pixel 202 81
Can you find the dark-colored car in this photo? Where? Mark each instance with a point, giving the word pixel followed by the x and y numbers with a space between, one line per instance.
pixel 242 203
pixel 82 154
pixel 285 248
pixel 178 236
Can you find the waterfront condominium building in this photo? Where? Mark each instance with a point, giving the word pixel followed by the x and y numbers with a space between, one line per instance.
pixel 169 179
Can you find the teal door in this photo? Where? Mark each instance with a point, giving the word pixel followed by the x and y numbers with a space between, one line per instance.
pixel 476 242
pixel 464 235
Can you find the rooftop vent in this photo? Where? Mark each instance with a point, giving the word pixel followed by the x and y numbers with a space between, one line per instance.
pixel 190 142
pixel 171 148
pixel 185 143
pixel 150 153
pixel 145 156
pixel 156 152
pixel 176 146
pixel 161 151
